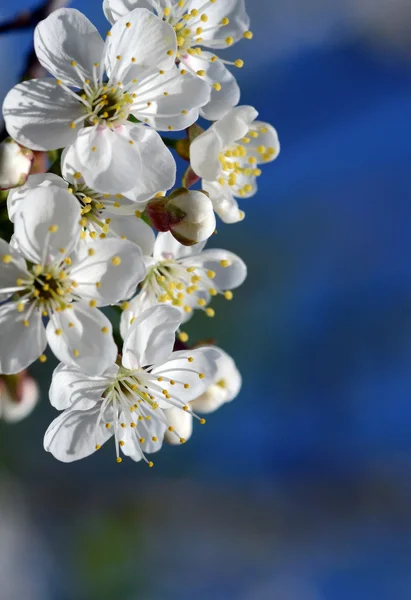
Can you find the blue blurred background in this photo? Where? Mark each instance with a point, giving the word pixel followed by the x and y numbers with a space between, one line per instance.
pixel 301 488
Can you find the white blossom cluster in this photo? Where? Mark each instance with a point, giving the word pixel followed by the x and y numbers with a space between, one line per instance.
pixel 108 227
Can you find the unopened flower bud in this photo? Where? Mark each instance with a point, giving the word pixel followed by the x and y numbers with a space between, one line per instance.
pixel 188 215
pixel 18 396
pixel 15 164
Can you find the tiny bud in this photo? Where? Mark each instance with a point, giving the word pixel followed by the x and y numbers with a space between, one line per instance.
pixel 15 164
pixel 18 396
pixel 188 215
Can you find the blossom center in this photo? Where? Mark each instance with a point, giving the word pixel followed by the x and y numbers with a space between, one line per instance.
pixel 106 105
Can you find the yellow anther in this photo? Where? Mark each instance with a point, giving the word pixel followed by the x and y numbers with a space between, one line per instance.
pixel 26 323
pixel 76 353
pixel 150 464
pixel 7 259
pixel 182 441
pixel 20 307
pixel 119 460
pixel 77 175
pixel 170 53
pixel 201 72
pixel 190 359
pixel 91 252
pixel 92 304
pixel 201 375
pixel 104 330
pixel 183 337
pixel 210 312
pixel 186 408
pixel 239 63
pixel 201 302
pixel 224 263
pixel 225 21
pixel 58 331
pixel 186 386
pixel 229 40
pixel 128 25
pixel 204 18
pixel 98 446
pixel 42 358
pixel 154 438
pixel 137 213
pixel 248 35
pixel 116 260
pixel 124 305
pixel 188 309
pixel 108 425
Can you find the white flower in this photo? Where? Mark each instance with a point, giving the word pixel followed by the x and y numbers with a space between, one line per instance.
pixel 15 164
pixel 18 396
pixel 84 108
pixel 226 157
pixel 224 388
pixel 45 273
pixel 187 214
pixel 127 400
pixel 186 277
pixel 100 215
pixel 212 24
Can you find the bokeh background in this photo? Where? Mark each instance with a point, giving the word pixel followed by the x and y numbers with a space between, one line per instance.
pixel 301 488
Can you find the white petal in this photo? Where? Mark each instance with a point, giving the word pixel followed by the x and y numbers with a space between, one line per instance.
pixel 151 337
pixel 38 114
pixel 10 272
pixel 226 278
pixel 183 371
pixel 73 435
pixel 167 247
pixel 158 167
pixel 235 124
pixel 107 270
pixel 166 100
pixel 182 423
pixel 72 388
pixel 66 36
pixel 33 181
pixel 142 36
pixel 267 137
pixel 86 339
pixel 114 9
pixel 20 346
pixel 134 229
pixel 13 410
pixel 204 155
pixel 226 387
pixel 137 306
pixel 215 72
pixel 110 164
pixel 238 24
pixel 42 208
pixel 224 203
pixel 144 430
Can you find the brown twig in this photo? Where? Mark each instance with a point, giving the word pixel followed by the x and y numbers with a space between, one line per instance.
pixel 29 18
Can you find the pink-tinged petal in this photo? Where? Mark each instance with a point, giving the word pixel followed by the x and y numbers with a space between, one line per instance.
pixel 82 336
pixel 14 409
pixel 38 114
pixel 75 434
pixel 46 221
pixel 142 36
pixel 67 45
pixel 108 270
pixel 151 337
pixel 20 344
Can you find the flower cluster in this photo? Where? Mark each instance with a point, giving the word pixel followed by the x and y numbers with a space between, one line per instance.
pixel 108 257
